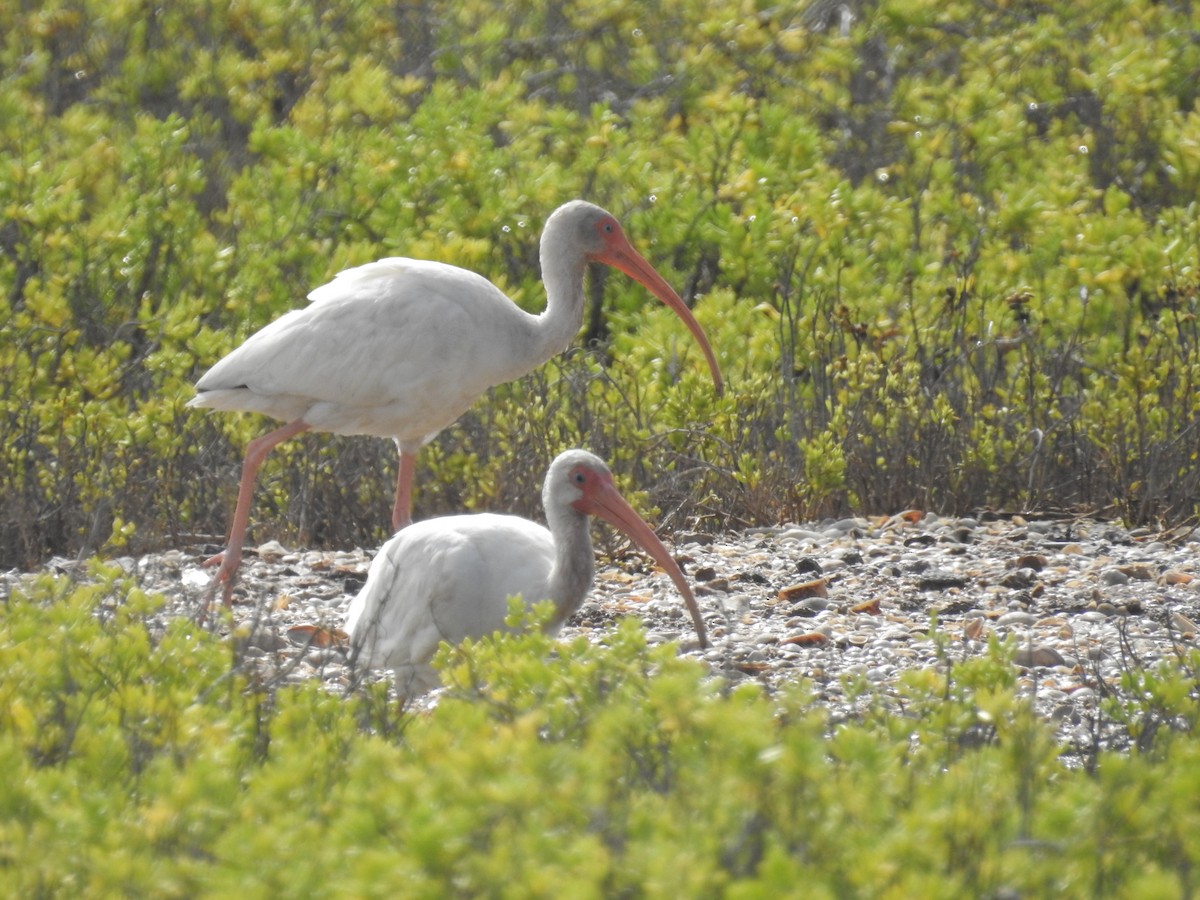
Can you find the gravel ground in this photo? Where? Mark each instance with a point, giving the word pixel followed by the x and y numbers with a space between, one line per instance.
pixel 1086 601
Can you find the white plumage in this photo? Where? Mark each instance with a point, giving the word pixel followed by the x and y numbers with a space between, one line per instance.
pixel 347 364
pixel 400 348
pixel 450 578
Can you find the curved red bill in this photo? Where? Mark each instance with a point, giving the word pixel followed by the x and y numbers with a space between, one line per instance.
pixel 602 499
pixel 620 254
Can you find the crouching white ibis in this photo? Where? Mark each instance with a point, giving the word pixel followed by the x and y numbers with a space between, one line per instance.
pixel 401 348
pixel 450 578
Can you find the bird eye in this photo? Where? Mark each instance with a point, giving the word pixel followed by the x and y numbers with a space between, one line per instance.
pixel 579 477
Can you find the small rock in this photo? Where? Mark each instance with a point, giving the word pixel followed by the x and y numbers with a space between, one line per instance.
pixel 1020 600
pixel 957 607
pixel 806 639
pixel 1018 579
pixel 941 580
pixel 1034 561
pixel 1138 572
pixel 848 526
pixel 961 535
pixel 271 550
pixel 197 578
pixel 751 668
pixel 1171 576
pixel 262 639
pixel 1037 656
pixel 1183 624
pixel 317 636
pixel 1017 617
pixel 814 588
pixel 803 535
pixel 901 519
pixel 810 606
pixel 806 565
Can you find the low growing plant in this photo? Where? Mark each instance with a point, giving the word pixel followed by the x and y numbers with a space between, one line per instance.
pixel 138 761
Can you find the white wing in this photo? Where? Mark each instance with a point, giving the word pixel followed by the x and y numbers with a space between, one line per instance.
pixel 446 579
pixel 396 348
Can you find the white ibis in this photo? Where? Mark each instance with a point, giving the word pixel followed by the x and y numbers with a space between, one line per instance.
pixel 450 578
pixel 401 348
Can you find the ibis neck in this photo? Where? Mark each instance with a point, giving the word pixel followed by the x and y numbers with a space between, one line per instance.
pixel 574 567
pixel 562 274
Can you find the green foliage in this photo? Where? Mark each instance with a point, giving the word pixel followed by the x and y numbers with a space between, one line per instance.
pixel 137 764
pixel 948 254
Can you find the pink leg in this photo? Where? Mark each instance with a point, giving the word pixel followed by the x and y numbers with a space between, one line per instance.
pixel 256 452
pixel 402 511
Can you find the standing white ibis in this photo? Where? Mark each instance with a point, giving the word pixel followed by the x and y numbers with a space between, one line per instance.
pixel 401 348
pixel 450 578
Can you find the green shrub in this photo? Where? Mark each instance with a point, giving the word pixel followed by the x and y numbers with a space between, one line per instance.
pixel 947 255
pixel 138 761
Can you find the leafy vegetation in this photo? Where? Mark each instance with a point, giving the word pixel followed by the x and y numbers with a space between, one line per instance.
pixel 139 762
pixel 947 252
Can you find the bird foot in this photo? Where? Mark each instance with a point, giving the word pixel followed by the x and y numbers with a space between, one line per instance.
pixel 225 575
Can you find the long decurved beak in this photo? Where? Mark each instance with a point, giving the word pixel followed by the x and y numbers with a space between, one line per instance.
pixel 619 254
pixel 605 502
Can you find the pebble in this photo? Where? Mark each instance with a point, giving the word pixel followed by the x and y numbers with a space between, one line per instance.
pixel 805 589
pixel 1017 618
pixel 940 580
pixel 1182 623
pixel 811 606
pixel 1041 655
